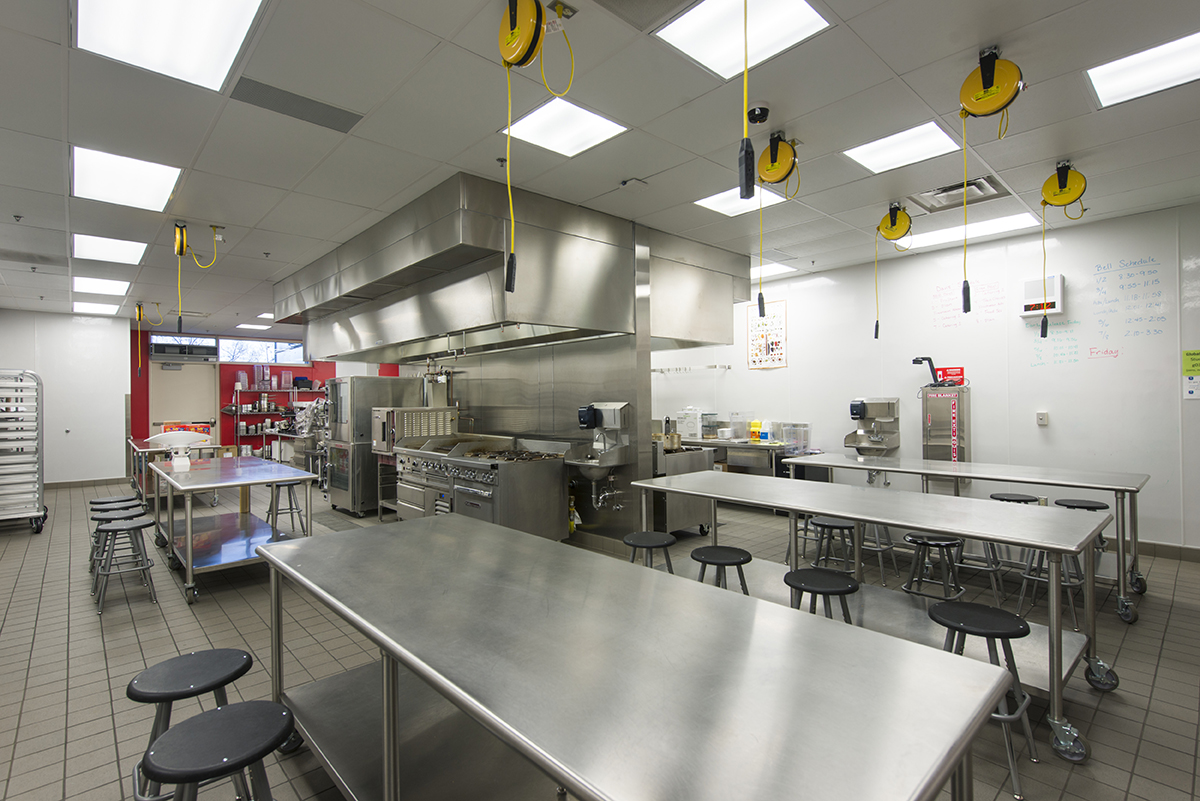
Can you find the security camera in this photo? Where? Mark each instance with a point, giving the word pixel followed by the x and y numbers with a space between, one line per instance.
pixel 759 111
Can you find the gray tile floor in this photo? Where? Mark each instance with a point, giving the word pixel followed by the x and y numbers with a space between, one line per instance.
pixel 67 730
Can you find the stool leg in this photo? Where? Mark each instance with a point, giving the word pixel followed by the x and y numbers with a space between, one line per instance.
pixel 721 581
pixel 812 603
pixel 1010 752
pixel 845 610
pixel 828 607
pixel 742 579
pixel 946 568
pixel 650 558
pixel 187 792
pixel 258 779
pixel 700 578
pixel 1020 696
pixel 632 554
pixel 667 556
pixel 162 722
pixel 293 507
pixel 796 596
pixel 1025 577
pixel 948 644
pixel 146 563
pixel 105 570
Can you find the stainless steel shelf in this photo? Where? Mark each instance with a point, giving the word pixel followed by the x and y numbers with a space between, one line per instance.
pixel 444 753
pixel 239 535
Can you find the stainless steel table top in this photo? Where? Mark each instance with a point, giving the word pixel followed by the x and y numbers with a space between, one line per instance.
pixel 206 475
pixel 770 445
pixel 1045 528
pixel 1049 476
pixel 625 683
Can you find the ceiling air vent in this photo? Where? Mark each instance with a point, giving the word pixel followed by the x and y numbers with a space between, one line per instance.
pixel 978 190
pixel 282 101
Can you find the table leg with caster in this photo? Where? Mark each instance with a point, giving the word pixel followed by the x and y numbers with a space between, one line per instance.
pixel 1065 739
pixel 1137 581
pixel 189 580
pixel 1125 608
pixel 1098 674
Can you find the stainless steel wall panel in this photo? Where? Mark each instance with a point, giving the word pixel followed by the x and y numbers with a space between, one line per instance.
pixel 444 199
pixel 689 303
pixel 686 251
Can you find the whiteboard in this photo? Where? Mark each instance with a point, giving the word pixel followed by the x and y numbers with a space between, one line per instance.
pixel 1108 373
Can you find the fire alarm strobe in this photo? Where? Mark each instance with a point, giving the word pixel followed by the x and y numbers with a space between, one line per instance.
pixel 1034 300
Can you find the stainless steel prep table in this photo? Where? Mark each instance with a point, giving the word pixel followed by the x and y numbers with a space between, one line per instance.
pixel 1056 531
pixel 140 452
pixel 760 457
pixel 616 682
pixel 1124 486
pixel 239 532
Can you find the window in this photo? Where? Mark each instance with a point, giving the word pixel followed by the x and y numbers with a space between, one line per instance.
pixel 261 351
pixel 165 339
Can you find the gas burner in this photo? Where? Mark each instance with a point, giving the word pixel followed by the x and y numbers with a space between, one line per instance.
pixel 514 456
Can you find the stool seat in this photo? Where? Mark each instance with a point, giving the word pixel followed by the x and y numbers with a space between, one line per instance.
pixel 189 675
pixel 721 555
pixel 831 522
pixel 821 582
pixel 218 742
pixel 1081 503
pixel 932 540
pixel 1013 497
pixel 112 499
pixel 979 620
pixel 115 506
pixel 649 539
pixel 119 514
pixel 120 526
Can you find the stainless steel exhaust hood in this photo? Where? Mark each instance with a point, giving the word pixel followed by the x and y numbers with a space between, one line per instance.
pixel 429 279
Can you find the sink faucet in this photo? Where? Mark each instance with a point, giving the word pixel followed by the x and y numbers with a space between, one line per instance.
pixel 875 436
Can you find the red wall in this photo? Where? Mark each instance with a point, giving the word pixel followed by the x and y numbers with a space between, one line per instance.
pixel 389 370
pixel 139 386
pixel 319 371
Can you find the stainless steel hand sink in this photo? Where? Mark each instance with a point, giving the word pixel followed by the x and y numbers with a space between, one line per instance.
pixel 596 465
pixel 868 444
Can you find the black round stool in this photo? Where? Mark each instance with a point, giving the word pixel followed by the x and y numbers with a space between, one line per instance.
pixel 946 546
pixel 114 559
pixel 824 583
pixel 721 557
pixel 961 619
pixel 826 529
pixel 126 512
pixel 219 743
pixel 1082 503
pixel 112 499
pixel 185 676
pixel 649 541
pixel 1013 497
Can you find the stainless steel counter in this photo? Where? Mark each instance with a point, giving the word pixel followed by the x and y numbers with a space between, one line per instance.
pixel 622 683
pixel 1124 486
pixel 235 535
pixel 1055 530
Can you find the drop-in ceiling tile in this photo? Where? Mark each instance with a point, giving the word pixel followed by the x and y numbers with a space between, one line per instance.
pixel 791 239
pixel 253 144
pixel 452 102
pixel 677 219
pixel 284 248
pixel 364 173
pixel 232 284
pixel 846 239
pixel 358 226
pixel 116 108
pixel 827 172
pixel 875 112
pixel 417 188
pixel 200 300
pixel 591 173
pixel 32 162
pixel 443 18
pixel 259 269
pixel 305 215
pixel 374 52
pixel 781 215
pixel 643 81
pixel 528 161
pixel 895 184
pixel 595 35
pixel 22 238
pixel 32 90
pixel 913 33
pixel 690 181
pixel 28 280
pixel 164 277
pixel 37 18
pixel 39 209
pixel 104 269
pixel 46 306
pixel 115 222
pixel 849 9
pixel 709 122
pixel 225 201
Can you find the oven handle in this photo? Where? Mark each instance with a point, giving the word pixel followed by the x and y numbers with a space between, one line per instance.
pixel 473 491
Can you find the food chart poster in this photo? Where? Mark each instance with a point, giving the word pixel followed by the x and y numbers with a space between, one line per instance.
pixel 767 336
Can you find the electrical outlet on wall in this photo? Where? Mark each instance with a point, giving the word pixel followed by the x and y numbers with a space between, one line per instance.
pixel 1043 418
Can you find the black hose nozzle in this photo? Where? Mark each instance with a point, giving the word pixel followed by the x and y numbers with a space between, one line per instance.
pixel 762 305
pixel 877 329
pixel 966 297
pixel 510 273
pixel 1045 326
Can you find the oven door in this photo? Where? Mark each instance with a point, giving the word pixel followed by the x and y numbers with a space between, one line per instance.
pixel 474 502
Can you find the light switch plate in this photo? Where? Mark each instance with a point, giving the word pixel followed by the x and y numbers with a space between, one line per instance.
pixel 1043 418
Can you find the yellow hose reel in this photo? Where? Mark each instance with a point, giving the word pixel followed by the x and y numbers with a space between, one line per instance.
pixel 1065 187
pixel 778 161
pixel 895 224
pixel 522 32
pixel 991 86
pixel 180 239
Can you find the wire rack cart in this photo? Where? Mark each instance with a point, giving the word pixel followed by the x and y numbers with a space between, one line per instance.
pixel 22 463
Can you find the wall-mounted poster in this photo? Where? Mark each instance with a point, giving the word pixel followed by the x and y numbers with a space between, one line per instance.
pixel 767 336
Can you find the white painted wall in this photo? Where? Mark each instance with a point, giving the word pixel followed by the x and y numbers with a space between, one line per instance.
pixel 1112 389
pixel 84 365
pixel 355 368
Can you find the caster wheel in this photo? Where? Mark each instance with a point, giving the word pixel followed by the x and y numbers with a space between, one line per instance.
pixel 1129 614
pixel 173 563
pixel 160 541
pixel 190 595
pixel 291 744
pixel 1105 683
pixel 213 503
pixel 37 524
pixel 1076 751
pixel 1137 583
pixel 704 530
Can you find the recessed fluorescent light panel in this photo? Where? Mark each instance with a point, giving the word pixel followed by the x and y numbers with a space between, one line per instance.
pixel 94 308
pixel 100 286
pixel 194 42
pixel 564 128
pixel 267 316
pixel 710 32
pixel 975 230
pixel 101 248
pixel 121 180
pixel 770 270
pixel 253 327
pixel 730 201
pixel 1149 71
pixel 907 147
